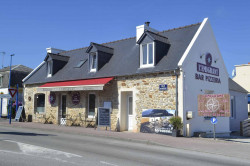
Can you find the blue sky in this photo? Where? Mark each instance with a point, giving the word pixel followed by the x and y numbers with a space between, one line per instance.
pixel 28 27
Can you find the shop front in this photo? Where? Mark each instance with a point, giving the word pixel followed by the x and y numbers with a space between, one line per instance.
pixel 142 82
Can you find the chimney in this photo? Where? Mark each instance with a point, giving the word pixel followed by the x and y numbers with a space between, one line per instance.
pixel 141 28
pixel 54 50
pixel 147 23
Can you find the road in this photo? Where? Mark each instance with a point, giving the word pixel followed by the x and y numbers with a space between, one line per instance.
pixel 29 147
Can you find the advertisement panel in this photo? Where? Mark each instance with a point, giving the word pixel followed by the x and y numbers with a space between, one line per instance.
pixel 214 105
pixel 156 121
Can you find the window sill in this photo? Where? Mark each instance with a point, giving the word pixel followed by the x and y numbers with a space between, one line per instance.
pixel 92 70
pixel 146 66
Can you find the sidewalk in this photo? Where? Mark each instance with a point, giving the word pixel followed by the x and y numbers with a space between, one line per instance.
pixel 235 147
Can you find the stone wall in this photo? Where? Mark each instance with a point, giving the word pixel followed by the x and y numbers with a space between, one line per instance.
pixel 145 88
pixel 148 95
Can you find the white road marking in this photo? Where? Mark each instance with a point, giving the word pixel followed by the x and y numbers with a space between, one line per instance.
pixel 37 151
pixel 32 149
pixel 106 163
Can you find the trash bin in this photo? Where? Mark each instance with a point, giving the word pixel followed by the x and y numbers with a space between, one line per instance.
pixel 29 118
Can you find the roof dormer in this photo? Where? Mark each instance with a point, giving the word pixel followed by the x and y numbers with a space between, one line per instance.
pixel 153 47
pixel 54 63
pixel 99 55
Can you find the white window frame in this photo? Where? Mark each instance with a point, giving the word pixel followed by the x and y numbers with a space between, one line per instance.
pixel 141 56
pixel 49 68
pixel 92 116
pixel 91 62
pixel 35 106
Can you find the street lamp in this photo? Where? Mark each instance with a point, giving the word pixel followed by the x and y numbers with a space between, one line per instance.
pixel 10 67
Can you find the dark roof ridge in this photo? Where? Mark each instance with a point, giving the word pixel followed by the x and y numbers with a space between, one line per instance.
pixel 59 54
pixel 186 26
pixel 102 45
pixel 156 33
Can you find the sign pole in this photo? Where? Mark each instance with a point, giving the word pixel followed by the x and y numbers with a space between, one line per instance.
pixel 16 97
pixel 214 131
pixel 10 112
pixel 1 108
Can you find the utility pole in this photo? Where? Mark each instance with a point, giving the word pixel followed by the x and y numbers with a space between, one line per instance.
pixel 10 102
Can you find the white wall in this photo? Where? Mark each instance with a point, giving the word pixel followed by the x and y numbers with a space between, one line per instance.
pixel 5 102
pixel 240 110
pixel 202 43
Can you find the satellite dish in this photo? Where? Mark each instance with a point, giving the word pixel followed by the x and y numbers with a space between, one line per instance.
pixel 233 73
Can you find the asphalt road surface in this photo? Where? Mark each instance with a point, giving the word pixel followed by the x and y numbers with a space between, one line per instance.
pixel 29 147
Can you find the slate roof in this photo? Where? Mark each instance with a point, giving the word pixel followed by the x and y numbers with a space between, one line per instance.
pixel 21 68
pixel 234 86
pixel 125 59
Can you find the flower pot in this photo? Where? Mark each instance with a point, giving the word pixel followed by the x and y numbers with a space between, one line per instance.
pixel 176 133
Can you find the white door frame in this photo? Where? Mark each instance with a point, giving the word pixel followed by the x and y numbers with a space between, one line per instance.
pixel 130 117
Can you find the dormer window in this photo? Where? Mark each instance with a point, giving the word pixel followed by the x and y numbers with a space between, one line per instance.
pixel 147 55
pixel 93 62
pixel 153 47
pixel 49 68
pixel 55 62
pixel 99 56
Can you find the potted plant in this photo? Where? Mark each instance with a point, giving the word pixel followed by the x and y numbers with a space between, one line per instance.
pixel 175 121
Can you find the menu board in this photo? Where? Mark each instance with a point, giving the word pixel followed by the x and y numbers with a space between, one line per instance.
pixel 103 116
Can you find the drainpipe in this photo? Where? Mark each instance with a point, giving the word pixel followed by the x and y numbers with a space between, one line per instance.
pixel 176 91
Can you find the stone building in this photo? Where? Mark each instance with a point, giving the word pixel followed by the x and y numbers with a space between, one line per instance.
pixel 241 75
pixel 18 72
pixel 153 73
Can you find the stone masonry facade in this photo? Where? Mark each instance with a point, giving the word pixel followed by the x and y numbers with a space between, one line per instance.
pixel 148 96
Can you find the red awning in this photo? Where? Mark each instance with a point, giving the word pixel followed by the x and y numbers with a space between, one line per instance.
pixel 91 84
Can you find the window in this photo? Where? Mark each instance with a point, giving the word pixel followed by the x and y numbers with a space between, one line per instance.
pixel 147 55
pixel 1 80
pixel 81 62
pixel 248 98
pixel 49 69
pixel 233 107
pixel 93 62
pixel 91 112
pixel 39 103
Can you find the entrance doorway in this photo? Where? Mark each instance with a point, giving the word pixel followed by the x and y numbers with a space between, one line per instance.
pixel 127 114
pixel 62 115
pixel 130 112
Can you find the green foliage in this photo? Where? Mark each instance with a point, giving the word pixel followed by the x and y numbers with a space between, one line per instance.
pixel 176 122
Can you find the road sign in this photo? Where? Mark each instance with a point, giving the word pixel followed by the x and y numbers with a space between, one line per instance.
pixel 214 120
pixel 5 96
pixel 12 92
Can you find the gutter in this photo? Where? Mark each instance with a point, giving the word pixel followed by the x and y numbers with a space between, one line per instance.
pixel 176 90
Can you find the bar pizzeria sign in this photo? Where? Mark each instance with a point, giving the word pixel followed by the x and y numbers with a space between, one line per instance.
pixel 214 105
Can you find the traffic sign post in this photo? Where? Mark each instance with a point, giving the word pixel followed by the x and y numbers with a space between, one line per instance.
pixel 12 92
pixel 214 121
